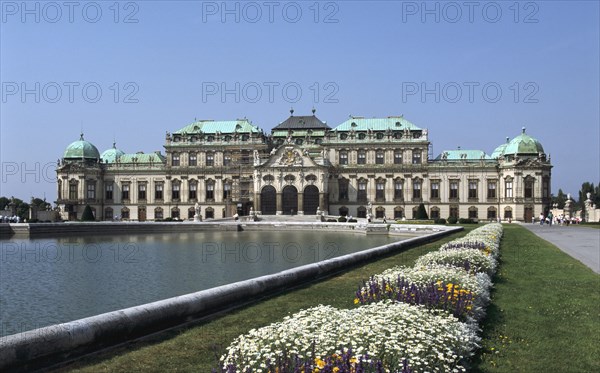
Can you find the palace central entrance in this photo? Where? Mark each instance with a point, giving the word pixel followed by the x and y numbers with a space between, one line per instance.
pixel 268 202
pixel 311 200
pixel 290 200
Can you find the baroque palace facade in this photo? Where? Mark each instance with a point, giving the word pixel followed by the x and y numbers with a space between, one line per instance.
pixel 304 166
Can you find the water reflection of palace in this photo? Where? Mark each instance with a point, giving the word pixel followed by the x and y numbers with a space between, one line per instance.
pixel 228 167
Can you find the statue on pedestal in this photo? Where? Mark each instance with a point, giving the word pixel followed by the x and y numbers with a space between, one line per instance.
pixel 197 216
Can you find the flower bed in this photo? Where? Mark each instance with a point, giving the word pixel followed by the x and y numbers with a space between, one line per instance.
pixel 420 319
pixel 387 331
pixel 463 294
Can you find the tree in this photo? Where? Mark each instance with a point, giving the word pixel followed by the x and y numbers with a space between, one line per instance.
pixel 88 214
pixel 41 204
pixel 560 199
pixel 421 212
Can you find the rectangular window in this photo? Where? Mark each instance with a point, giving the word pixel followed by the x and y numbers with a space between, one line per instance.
pixel 91 190
pixel 175 191
pixel 416 189
pixel 529 189
pixel 193 159
pixel 210 159
pixel 472 189
pixel 362 191
pixel 226 159
pixel 343 157
pixel 416 157
pixel 124 214
pixel 175 158
pixel 508 190
pixel 508 214
pixel 435 214
pixel 491 191
pixel 343 186
pixel 491 214
pixel 545 189
pixel 362 157
pixel 125 192
pixel 142 192
pixel 158 214
pixel 226 191
pixel 398 195
pixel 245 157
pixel 398 157
pixel 72 191
pixel 245 190
pixel 435 190
pixel 193 191
pixel 453 190
pixel 473 214
pixel 379 157
pixel 380 192
pixel 158 191
pixel 210 191
pixel 108 191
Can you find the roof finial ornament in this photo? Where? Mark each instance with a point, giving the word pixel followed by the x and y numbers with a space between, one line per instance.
pixel 507 139
pixel 523 129
pixel 292 111
pixel 314 110
pixel 81 136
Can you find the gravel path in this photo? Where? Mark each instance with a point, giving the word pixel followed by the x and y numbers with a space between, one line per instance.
pixel 582 243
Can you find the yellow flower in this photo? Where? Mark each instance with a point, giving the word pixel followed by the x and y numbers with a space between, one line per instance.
pixel 356 301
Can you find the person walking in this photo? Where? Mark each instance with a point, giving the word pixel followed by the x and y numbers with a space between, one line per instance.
pixel 541 218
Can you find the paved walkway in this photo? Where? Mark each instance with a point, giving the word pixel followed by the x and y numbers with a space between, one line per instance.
pixel 582 243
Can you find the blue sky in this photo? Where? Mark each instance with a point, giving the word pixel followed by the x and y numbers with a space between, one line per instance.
pixel 473 73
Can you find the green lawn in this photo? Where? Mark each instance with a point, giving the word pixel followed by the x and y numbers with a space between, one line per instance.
pixel 544 316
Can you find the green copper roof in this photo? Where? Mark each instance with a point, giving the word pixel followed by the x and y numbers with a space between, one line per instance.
pixel 223 126
pixel 376 124
pixel 142 158
pixel 81 149
pixel 459 154
pixel 499 151
pixel 524 144
pixel 111 155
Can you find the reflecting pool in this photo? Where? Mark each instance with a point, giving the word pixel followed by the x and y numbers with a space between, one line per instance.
pixel 52 280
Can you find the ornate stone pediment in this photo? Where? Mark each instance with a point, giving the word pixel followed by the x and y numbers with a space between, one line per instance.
pixel 289 156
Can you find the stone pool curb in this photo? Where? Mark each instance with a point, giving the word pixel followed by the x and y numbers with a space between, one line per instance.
pixel 50 345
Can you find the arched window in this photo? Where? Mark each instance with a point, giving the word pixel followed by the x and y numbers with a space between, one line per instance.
pixel 473 214
pixel 434 213
pixel 158 213
pixel 361 212
pixel 108 213
pixel 508 213
pixel 491 213
pixel 398 212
